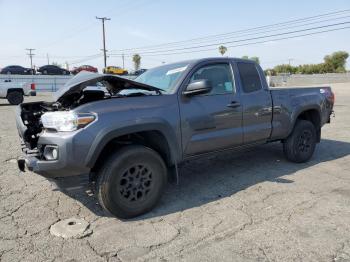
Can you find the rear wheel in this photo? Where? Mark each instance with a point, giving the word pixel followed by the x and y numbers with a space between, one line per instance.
pixel 131 181
pixel 15 97
pixel 300 145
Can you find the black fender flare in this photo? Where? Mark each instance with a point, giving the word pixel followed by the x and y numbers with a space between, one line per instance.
pixel 108 134
pixel 295 114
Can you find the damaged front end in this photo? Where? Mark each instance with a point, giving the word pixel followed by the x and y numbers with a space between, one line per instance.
pixel 30 127
pixel 47 128
pixel 29 121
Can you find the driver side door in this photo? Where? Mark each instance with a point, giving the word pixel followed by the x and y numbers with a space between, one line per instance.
pixel 211 121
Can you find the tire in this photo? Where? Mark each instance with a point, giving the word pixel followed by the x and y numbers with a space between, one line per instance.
pixel 15 97
pixel 131 181
pixel 45 72
pixel 300 145
pixel 8 72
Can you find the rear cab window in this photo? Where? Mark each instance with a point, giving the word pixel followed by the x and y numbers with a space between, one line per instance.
pixel 249 76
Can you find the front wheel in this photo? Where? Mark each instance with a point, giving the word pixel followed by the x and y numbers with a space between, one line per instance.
pixel 131 181
pixel 15 97
pixel 300 145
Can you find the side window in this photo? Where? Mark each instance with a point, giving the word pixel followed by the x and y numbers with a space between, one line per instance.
pixel 249 77
pixel 219 75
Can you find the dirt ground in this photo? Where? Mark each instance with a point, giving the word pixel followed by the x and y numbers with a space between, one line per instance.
pixel 245 206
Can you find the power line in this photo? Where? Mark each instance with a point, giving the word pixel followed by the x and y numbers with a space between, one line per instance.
pixel 103 19
pixel 122 11
pixel 211 49
pixel 91 57
pixel 88 58
pixel 295 21
pixel 240 33
pixel 244 40
pixel 255 33
pixel 30 56
pixel 252 43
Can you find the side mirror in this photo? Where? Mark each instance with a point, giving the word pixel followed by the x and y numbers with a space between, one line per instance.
pixel 202 86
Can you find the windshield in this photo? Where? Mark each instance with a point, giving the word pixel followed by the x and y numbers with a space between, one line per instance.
pixel 164 77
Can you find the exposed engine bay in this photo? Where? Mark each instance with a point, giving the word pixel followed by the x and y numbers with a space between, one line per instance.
pixel 31 112
pixel 75 93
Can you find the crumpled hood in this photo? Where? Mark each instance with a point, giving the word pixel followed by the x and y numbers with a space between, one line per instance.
pixel 85 79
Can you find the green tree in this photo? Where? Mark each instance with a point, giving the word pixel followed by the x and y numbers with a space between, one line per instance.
pixel 253 58
pixel 222 50
pixel 285 68
pixel 137 61
pixel 270 71
pixel 335 63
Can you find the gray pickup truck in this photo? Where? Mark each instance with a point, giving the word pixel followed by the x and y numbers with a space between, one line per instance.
pixel 130 136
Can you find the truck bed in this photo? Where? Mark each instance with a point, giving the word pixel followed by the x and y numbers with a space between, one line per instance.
pixel 288 101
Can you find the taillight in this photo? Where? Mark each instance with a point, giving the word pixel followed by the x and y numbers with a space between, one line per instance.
pixel 329 94
pixel 32 86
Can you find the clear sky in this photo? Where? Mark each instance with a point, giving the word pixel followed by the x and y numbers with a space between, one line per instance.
pixel 68 31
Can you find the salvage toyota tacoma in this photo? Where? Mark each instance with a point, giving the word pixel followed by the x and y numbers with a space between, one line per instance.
pixel 131 135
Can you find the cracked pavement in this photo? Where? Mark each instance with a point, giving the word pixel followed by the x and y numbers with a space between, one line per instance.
pixel 246 206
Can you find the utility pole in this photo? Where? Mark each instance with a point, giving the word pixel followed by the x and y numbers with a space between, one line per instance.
pixel 30 56
pixel 48 59
pixel 103 19
pixel 123 60
pixel 290 60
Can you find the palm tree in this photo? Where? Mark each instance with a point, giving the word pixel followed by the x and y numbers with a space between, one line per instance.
pixel 137 61
pixel 222 49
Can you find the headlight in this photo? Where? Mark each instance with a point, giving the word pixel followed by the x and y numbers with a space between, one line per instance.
pixel 66 120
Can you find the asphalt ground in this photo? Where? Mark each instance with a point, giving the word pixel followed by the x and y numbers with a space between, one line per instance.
pixel 248 206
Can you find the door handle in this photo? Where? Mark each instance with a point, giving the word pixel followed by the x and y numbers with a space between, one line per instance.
pixel 234 104
pixel 264 112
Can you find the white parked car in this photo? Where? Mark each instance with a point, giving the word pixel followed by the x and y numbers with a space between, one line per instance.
pixel 15 91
